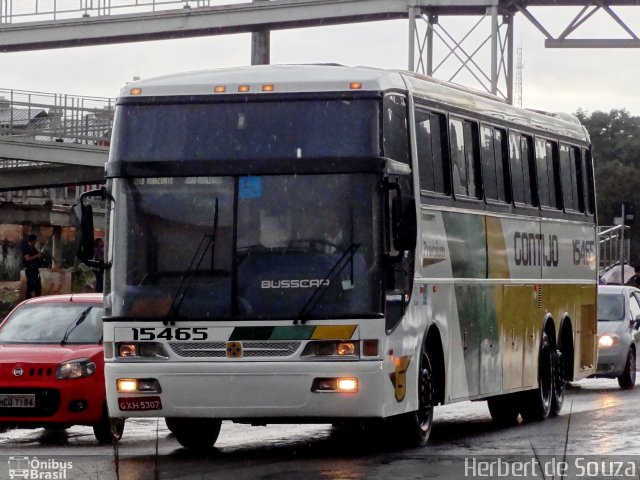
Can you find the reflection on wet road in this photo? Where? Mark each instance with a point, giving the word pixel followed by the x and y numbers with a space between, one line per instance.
pixel 596 419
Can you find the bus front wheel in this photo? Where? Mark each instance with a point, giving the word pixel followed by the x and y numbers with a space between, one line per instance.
pixel 415 427
pixel 195 433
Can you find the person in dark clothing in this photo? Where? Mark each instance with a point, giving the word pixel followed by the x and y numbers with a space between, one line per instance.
pixel 31 257
pixel 634 281
pixel 98 263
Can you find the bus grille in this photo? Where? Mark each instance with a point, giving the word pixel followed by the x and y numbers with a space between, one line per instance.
pixel 249 349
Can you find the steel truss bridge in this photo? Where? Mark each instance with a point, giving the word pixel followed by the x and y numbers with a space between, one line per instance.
pixel 68 135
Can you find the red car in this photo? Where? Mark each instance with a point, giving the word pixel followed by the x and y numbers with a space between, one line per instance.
pixel 52 366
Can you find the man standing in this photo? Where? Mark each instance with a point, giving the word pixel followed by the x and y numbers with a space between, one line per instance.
pixel 31 257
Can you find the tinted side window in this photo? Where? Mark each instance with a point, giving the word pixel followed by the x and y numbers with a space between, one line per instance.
pixel 522 165
pixel 431 138
pixel 464 158
pixel 493 152
pixel 528 170
pixel 570 178
pixel 588 182
pixel 546 170
pixel 394 126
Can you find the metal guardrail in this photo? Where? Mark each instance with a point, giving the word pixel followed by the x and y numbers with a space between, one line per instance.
pixel 15 11
pixel 614 248
pixel 56 117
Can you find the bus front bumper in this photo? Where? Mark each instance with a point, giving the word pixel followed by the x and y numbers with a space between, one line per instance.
pixel 246 390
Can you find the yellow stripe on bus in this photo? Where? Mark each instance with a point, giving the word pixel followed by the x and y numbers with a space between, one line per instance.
pixel 326 332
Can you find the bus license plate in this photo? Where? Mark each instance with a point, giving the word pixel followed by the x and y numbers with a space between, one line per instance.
pixel 9 400
pixel 139 404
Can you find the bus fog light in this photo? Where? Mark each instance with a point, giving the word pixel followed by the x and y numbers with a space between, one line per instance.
pixel 347 385
pixel 325 384
pixel 149 385
pixel 127 385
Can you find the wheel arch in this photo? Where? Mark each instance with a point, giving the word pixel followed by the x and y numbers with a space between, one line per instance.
pixel 433 345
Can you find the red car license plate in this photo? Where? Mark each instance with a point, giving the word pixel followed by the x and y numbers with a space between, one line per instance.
pixel 10 400
pixel 131 404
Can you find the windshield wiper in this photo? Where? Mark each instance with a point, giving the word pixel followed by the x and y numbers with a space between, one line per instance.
pixel 185 280
pixel 75 324
pixel 347 257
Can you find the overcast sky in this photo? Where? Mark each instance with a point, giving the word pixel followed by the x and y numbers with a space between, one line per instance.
pixel 553 79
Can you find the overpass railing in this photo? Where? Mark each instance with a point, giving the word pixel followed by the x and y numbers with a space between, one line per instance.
pixel 614 247
pixel 56 117
pixel 14 11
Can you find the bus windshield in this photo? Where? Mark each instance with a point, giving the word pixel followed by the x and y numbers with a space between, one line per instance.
pixel 247 130
pixel 261 247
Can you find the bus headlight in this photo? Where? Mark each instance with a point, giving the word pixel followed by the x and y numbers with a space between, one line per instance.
pixel 141 349
pixel 333 348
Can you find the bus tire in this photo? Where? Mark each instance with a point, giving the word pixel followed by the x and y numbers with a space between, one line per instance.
pixel 109 430
pixel 559 381
pixel 628 378
pixel 414 428
pixel 504 409
pixel 537 403
pixel 195 433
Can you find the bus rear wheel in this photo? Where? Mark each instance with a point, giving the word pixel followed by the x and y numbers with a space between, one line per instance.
pixel 195 433
pixel 537 403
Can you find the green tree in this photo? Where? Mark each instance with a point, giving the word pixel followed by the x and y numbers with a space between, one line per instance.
pixel 616 153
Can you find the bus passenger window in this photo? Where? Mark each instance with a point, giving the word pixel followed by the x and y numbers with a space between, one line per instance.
pixel 547 173
pixel 432 161
pixel 570 178
pixel 528 171
pixel 493 154
pixel 588 182
pixel 464 158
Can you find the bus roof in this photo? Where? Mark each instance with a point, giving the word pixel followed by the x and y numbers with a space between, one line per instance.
pixel 338 78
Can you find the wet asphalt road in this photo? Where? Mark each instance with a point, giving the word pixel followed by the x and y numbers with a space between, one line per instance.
pixel 597 419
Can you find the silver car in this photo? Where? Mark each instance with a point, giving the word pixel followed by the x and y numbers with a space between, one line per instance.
pixel 619 333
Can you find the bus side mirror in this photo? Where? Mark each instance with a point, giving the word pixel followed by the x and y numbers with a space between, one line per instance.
pixel 84 217
pixel 404 226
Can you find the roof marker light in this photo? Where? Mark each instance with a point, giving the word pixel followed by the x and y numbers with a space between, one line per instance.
pixel 268 87
pixel 355 85
pixel 220 88
pixel 136 91
pixel 243 88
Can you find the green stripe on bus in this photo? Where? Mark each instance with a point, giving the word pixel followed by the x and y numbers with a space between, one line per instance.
pixel 302 332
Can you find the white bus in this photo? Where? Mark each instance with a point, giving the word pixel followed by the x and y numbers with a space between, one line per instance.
pixel 330 244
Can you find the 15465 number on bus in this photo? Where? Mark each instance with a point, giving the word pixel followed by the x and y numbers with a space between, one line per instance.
pixel 182 333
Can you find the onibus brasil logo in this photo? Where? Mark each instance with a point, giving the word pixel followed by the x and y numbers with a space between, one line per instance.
pixel 35 469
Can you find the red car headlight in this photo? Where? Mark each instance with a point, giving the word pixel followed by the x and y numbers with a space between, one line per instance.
pixel 75 369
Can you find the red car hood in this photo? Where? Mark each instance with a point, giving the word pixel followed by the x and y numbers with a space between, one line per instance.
pixel 45 354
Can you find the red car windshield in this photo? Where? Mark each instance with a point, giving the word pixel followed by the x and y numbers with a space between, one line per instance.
pixel 75 323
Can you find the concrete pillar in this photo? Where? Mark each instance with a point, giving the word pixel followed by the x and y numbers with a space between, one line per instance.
pixel 56 248
pixel 261 45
